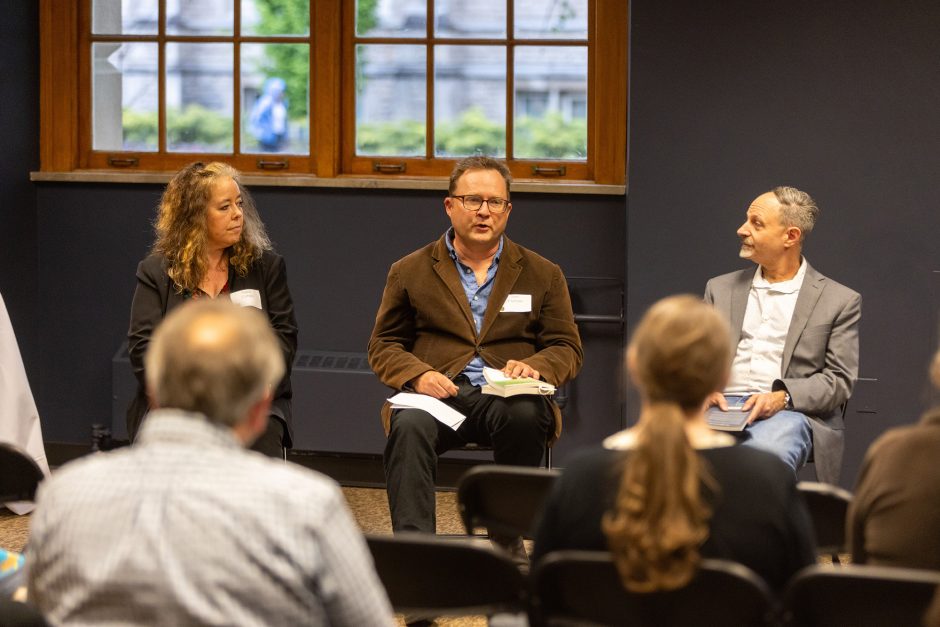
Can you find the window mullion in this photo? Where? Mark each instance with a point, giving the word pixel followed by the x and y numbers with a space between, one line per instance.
pixel 510 77
pixel 161 80
pixel 429 83
pixel 237 80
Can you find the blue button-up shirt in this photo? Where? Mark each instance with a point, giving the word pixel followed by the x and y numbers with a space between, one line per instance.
pixel 478 296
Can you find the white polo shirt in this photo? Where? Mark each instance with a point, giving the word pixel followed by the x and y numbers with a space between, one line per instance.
pixel 758 360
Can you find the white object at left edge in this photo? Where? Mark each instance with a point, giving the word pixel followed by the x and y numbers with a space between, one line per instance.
pixel 19 418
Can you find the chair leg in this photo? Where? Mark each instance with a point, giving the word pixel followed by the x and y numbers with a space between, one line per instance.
pixel 548 457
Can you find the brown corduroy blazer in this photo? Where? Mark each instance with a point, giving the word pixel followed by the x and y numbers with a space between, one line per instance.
pixel 424 321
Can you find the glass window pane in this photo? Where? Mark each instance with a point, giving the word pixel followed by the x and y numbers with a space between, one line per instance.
pixel 550 19
pixel 391 99
pixel 124 96
pixel 459 18
pixel 550 103
pixel 275 79
pixel 200 17
pixel 391 18
pixel 124 17
pixel 199 97
pixel 469 101
pixel 275 17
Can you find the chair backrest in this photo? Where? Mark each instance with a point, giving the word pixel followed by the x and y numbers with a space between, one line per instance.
pixel 424 574
pixel 861 596
pixel 19 474
pixel 505 499
pixel 828 506
pixel 16 614
pixel 584 588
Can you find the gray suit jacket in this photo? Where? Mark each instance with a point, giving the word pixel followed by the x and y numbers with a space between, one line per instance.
pixel 820 355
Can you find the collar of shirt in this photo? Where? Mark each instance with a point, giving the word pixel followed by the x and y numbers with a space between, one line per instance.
pixel 449 241
pixel 782 287
pixel 478 297
pixel 163 426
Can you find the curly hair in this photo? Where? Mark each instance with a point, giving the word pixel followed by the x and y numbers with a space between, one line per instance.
pixel 680 354
pixel 181 225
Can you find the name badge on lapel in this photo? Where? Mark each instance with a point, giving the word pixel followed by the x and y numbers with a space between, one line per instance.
pixel 517 303
pixel 246 298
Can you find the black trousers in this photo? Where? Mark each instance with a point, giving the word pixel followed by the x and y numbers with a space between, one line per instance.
pixel 516 428
pixel 271 442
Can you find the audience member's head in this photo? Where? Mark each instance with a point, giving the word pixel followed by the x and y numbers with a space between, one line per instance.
pixel 678 355
pixel 217 359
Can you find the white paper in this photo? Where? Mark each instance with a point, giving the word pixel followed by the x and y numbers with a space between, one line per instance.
pixel 517 303
pixel 440 410
pixel 246 298
pixel 19 419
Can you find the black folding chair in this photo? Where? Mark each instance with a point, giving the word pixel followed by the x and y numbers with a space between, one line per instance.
pixel 860 596
pixel 584 588
pixel 19 474
pixel 505 499
pixel 828 506
pixel 431 576
pixel 16 614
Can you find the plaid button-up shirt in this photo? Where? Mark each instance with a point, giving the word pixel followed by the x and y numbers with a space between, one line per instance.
pixel 188 528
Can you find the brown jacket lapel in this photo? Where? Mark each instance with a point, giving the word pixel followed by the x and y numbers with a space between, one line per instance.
pixel 445 268
pixel 506 275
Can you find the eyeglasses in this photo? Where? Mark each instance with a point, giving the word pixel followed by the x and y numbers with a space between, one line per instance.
pixel 475 203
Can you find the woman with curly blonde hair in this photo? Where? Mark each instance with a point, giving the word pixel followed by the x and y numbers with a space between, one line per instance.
pixel 211 243
pixel 669 491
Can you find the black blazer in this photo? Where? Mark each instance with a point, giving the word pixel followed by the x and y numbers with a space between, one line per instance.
pixel 156 295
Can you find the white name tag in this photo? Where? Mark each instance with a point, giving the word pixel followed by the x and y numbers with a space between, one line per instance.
pixel 517 303
pixel 246 298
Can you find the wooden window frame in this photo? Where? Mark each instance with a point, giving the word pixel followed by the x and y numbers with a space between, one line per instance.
pixel 65 103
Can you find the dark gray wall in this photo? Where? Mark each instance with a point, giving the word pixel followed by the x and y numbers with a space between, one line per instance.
pixel 19 128
pixel 839 98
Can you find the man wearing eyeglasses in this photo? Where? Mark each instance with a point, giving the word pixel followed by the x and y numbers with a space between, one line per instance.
pixel 471 299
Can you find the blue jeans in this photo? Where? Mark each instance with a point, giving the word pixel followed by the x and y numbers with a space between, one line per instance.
pixel 786 434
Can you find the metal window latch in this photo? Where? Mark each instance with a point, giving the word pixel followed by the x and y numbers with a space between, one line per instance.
pixel 266 164
pixel 123 162
pixel 388 168
pixel 543 171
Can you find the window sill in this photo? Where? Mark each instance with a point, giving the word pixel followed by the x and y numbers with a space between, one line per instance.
pixel 347 182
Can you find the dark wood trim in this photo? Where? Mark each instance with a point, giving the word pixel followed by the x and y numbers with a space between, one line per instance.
pixel 608 84
pixel 58 90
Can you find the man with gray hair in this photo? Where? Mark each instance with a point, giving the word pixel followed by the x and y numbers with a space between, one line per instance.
pixel 187 527
pixel 795 337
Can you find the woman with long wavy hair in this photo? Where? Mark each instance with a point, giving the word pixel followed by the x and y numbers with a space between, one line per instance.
pixel 211 243
pixel 669 491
